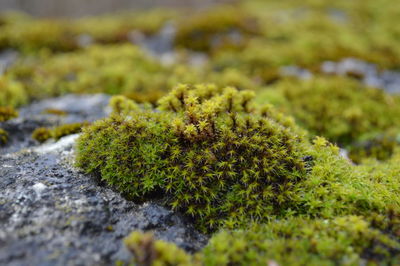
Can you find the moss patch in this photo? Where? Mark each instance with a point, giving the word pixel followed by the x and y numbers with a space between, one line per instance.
pixel 42 134
pixel 340 109
pixel 220 159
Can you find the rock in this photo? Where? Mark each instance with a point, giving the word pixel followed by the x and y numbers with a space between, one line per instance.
pixel 52 214
pixel 78 108
pixel 160 45
pixel 295 71
pixel 367 73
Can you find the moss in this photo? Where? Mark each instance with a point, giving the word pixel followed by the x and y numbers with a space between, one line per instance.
pixel 42 134
pixel 3 137
pixel 348 240
pixel 216 28
pixel 380 147
pixel 12 92
pixel 112 69
pixel 340 109
pixel 148 251
pixel 7 113
pixel 219 160
pixel 31 35
pixel 344 240
pixel 67 129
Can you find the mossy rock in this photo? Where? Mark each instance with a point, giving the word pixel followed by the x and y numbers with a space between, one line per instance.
pixel 208 150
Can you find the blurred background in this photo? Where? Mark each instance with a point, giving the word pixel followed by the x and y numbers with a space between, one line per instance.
pixel 79 8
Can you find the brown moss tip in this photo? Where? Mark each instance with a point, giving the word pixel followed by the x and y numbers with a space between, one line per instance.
pixel 7 113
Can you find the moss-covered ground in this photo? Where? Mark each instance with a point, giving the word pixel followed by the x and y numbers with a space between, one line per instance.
pixel 219 133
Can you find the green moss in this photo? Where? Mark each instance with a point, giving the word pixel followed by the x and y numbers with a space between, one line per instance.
pixel 3 137
pixel 31 35
pixel 216 28
pixel 7 113
pixel 219 160
pixel 348 240
pixel 67 129
pixel 340 109
pixel 112 69
pixel 42 134
pixel 380 147
pixel 345 240
pixel 148 251
pixel 12 93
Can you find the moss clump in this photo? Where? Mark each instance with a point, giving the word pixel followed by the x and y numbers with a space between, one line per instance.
pixel 219 160
pixel 12 93
pixel 216 28
pixel 380 147
pixel 31 35
pixel 7 113
pixel 3 137
pixel 343 240
pixel 348 240
pixel 147 251
pixel 112 69
pixel 42 134
pixel 340 109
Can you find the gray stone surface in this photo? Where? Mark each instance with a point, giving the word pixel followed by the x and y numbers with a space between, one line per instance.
pixel 369 74
pixel 79 108
pixel 7 59
pixel 53 214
